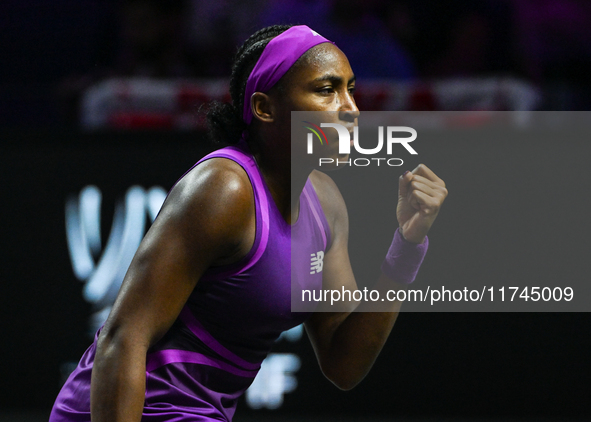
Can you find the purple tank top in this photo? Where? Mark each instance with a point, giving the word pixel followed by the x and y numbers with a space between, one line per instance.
pixel 212 353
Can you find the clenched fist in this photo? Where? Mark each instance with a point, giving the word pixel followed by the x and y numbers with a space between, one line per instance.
pixel 420 196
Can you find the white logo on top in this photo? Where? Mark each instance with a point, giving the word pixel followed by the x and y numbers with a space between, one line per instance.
pixel 316 262
pixel 345 139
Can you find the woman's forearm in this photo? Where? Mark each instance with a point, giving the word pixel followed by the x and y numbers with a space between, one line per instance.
pixel 359 338
pixel 118 383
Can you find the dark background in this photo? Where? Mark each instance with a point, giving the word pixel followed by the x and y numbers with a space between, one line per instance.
pixel 52 51
pixel 436 365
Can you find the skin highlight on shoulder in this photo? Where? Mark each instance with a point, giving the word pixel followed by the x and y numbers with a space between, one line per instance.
pixel 217 195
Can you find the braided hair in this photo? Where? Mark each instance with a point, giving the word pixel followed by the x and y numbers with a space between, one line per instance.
pixel 223 119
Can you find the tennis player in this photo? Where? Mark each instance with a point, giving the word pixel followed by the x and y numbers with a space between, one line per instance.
pixel 208 291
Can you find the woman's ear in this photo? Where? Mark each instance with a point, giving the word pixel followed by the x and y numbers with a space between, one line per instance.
pixel 262 107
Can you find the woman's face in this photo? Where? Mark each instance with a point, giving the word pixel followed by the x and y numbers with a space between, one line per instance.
pixel 323 83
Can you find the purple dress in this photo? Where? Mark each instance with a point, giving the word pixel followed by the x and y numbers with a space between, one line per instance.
pixel 211 354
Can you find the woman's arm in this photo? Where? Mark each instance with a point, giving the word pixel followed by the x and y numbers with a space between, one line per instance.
pixel 347 343
pixel 208 219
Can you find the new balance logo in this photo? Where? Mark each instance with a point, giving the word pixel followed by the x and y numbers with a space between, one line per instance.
pixel 316 262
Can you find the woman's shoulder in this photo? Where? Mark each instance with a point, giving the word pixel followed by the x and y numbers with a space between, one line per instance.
pixel 215 194
pixel 216 178
pixel 329 195
pixel 323 183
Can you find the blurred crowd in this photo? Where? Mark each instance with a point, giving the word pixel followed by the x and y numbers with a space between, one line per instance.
pixel 546 42
pixel 398 39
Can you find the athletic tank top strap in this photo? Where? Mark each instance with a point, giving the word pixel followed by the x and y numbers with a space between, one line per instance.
pixel 319 217
pixel 240 155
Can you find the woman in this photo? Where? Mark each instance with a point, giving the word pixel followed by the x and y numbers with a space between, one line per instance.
pixel 208 291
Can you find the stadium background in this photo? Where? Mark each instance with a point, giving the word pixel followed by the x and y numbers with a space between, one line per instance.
pixel 79 108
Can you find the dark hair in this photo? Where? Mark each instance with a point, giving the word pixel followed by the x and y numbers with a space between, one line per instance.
pixel 224 120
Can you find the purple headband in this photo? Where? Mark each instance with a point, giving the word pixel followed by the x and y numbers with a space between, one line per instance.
pixel 277 58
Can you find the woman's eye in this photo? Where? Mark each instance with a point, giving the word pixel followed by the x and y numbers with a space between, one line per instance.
pixel 352 89
pixel 326 90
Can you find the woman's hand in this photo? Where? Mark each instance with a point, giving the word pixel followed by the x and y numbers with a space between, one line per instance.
pixel 420 195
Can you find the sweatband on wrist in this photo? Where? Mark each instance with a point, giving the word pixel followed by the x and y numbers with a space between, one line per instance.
pixel 404 259
pixel 277 58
